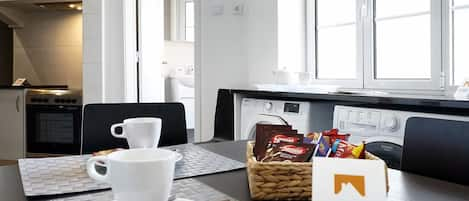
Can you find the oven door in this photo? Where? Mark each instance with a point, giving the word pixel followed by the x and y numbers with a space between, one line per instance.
pixel 53 129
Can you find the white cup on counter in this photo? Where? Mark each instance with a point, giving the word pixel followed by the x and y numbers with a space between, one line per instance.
pixel 142 132
pixel 137 174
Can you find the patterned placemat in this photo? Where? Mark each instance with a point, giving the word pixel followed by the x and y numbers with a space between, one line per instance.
pixel 198 161
pixel 61 175
pixel 184 188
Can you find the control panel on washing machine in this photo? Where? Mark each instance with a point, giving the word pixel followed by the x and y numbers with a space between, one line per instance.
pixel 366 122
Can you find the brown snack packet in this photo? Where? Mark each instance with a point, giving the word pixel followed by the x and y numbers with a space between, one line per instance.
pixel 276 138
pixel 263 132
pixel 289 152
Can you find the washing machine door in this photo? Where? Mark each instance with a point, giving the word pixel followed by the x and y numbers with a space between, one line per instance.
pixel 249 133
pixel 390 152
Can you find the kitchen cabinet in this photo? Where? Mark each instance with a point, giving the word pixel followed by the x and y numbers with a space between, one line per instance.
pixel 6 54
pixel 12 124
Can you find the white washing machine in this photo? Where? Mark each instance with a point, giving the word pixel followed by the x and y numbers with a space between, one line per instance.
pixel 382 130
pixel 254 111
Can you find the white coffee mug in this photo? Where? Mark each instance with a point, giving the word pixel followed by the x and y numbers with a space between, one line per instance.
pixel 137 174
pixel 140 132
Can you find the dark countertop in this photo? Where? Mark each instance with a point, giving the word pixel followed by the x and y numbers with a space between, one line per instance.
pixel 403 186
pixel 363 97
pixel 35 87
pixel 325 102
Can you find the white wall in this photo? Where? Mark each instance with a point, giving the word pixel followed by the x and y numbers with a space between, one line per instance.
pixel 221 51
pixel 239 51
pixel 103 52
pixel 93 85
pixel 291 29
pixel 48 49
pixel 261 40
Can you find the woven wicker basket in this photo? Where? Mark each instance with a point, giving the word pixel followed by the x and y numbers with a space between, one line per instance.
pixel 280 180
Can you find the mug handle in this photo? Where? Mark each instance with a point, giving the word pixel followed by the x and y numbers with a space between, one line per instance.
pixel 91 169
pixel 113 131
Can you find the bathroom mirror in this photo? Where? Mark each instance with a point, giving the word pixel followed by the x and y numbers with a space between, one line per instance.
pixel 179 20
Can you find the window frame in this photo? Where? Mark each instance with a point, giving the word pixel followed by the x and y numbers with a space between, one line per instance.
pixel 311 49
pixel 178 20
pixel 440 50
pixel 449 27
pixel 434 83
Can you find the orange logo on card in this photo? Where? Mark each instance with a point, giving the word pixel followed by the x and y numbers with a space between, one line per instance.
pixel 358 182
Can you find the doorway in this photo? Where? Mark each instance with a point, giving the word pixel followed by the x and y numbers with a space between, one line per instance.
pixel 163 70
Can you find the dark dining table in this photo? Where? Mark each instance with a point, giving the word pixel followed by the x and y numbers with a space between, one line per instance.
pixel 403 186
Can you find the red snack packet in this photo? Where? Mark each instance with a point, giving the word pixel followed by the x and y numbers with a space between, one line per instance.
pixel 286 138
pixel 334 134
pixel 342 149
pixel 343 137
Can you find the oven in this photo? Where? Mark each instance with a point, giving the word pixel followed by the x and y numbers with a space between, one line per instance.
pixel 53 122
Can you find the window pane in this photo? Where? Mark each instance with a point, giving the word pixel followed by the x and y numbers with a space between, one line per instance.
pixel 189 13
pixel 336 53
pixel 189 21
pixel 461 2
pixel 403 48
pixel 332 12
pixel 461 45
pixel 189 34
pixel 389 8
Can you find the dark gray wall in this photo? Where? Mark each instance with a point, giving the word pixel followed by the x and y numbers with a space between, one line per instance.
pixel 6 54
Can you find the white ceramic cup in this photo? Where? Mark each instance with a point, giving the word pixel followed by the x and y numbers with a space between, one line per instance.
pixel 140 132
pixel 144 174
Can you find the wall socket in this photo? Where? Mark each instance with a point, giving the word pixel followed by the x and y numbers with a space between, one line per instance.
pixel 238 8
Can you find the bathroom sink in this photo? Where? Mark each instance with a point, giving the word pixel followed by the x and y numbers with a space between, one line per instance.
pixel 185 80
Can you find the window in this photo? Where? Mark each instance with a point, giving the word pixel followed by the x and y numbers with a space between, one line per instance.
pixel 182 20
pixel 336 37
pixel 189 20
pixel 402 39
pixel 334 42
pixel 380 44
pixel 459 11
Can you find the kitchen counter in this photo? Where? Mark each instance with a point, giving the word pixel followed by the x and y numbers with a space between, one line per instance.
pixel 35 87
pixel 364 97
pixel 228 98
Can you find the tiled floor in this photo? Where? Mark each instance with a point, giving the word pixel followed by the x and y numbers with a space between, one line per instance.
pixel 190 135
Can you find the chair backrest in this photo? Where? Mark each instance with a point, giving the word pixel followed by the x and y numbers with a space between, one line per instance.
pixel 98 118
pixel 437 148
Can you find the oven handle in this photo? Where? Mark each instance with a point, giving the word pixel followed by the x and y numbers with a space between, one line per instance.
pixel 17 103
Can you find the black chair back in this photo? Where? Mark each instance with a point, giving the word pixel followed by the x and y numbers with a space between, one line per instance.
pixel 98 118
pixel 437 148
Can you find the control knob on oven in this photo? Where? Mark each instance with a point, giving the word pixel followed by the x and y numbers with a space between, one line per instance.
pixel 391 123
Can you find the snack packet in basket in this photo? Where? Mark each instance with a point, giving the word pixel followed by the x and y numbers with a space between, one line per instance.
pixel 323 148
pixel 342 149
pixel 289 152
pixel 264 132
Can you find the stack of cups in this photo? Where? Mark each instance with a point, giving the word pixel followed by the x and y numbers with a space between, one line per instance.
pixel 143 172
